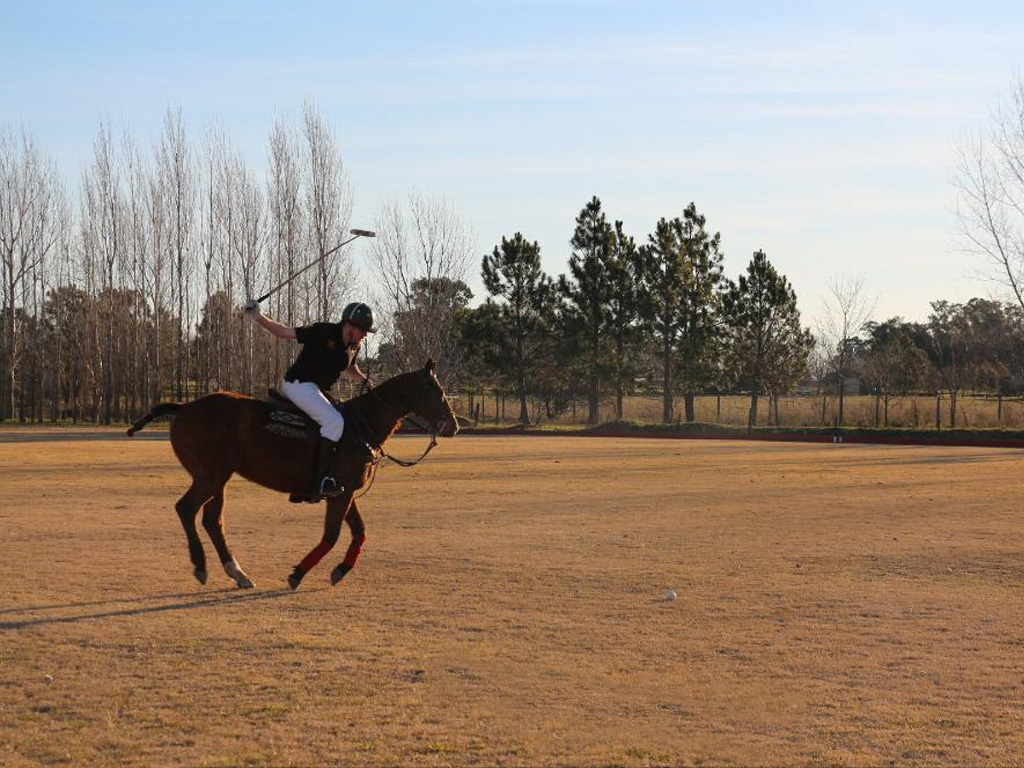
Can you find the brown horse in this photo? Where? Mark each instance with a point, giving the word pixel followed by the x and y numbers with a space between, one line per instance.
pixel 224 433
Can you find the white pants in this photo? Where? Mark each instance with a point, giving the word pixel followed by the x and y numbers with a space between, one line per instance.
pixel 310 399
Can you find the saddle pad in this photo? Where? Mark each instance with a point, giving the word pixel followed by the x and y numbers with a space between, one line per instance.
pixel 291 418
pixel 293 425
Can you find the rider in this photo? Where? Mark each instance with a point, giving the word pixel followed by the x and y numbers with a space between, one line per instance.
pixel 328 352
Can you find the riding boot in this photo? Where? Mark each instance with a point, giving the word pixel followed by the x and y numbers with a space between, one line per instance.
pixel 326 486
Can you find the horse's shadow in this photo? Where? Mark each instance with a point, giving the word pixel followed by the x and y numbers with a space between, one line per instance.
pixel 184 601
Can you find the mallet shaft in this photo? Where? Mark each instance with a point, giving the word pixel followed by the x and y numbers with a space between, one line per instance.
pixel 356 233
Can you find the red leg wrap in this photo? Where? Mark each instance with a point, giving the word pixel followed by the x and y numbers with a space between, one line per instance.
pixel 354 550
pixel 315 556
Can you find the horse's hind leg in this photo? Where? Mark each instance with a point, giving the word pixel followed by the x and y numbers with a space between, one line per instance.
pixel 213 522
pixel 355 547
pixel 187 509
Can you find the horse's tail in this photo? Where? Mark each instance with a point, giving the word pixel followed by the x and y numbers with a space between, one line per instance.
pixel 159 411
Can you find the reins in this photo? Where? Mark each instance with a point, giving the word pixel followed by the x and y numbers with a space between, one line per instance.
pixel 414 462
pixel 377 452
pixel 379 449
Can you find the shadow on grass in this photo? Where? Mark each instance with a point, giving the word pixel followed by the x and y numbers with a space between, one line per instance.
pixel 216 599
pixel 58 434
pixel 121 601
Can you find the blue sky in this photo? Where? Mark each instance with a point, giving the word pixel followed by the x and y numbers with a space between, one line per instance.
pixel 823 135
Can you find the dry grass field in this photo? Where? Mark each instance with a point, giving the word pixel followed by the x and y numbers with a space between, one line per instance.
pixel 838 604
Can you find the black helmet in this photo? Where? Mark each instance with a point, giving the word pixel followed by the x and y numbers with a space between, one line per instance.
pixel 360 315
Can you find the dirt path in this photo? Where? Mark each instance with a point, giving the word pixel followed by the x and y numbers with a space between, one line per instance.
pixel 837 604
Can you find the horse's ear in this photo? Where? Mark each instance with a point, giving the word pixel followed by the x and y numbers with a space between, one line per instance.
pixel 429 367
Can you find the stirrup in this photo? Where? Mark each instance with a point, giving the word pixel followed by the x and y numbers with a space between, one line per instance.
pixel 329 488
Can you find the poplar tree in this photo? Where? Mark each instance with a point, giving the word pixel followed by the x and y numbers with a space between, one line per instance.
pixel 31 223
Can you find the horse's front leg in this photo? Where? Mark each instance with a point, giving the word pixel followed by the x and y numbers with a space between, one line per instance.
pixel 336 509
pixel 355 548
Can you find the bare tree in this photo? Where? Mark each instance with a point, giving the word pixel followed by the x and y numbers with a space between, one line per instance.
pixel 246 221
pixel 989 177
pixel 847 311
pixel 63 331
pixel 31 203
pixel 223 342
pixel 421 257
pixel 213 353
pixel 287 222
pixel 177 174
pixel 103 243
pixel 156 285
pixel 140 248
pixel 328 211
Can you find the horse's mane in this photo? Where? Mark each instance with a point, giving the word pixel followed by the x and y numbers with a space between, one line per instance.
pixel 383 390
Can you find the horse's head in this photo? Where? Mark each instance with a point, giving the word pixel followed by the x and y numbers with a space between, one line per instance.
pixel 431 404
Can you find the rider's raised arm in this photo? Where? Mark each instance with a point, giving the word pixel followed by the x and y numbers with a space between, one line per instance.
pixel 278 329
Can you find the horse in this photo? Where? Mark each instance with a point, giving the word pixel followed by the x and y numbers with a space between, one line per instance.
pixel 224 433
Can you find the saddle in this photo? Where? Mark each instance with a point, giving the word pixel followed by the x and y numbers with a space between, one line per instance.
pixel 288 420
pixel 279 402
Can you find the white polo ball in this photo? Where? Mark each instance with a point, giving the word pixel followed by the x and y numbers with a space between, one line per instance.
pixel 670 595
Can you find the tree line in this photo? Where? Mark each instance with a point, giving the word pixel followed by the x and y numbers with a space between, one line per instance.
pixel 127 291
pixel 663 317
pixel 661 314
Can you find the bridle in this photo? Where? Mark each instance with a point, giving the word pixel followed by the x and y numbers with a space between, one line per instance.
pixel 376 449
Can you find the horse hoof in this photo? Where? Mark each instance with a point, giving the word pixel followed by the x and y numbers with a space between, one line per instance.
pixel 340 573
pixel 294 580
pixel 236 573
pixel 200 575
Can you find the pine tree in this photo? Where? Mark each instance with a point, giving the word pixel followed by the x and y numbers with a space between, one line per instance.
pixel 680 274
pixel 513 273
pixel 623 311
pixel 588 294
pixel 768 347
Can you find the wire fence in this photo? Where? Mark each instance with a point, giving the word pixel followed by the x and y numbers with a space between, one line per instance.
pixel 919 411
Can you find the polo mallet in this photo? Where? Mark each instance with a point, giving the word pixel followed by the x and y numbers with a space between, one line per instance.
pixel 356 233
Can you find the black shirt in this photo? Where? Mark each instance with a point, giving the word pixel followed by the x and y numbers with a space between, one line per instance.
pixel 323 357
